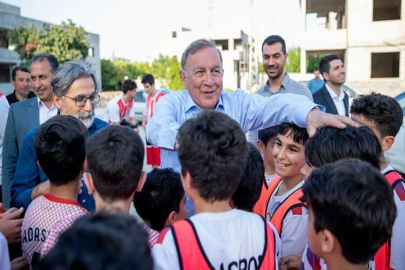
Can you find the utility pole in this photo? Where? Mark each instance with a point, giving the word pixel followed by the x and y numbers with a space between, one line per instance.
pixel 253 66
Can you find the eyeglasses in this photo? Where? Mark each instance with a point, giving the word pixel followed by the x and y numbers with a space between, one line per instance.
pixel 81 101
pixel 216 72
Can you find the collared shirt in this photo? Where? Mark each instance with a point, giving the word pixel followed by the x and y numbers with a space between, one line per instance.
pixel 288 86
pixel 314 85
pixel 46 113
pixel 338 100
pixel 12 98
pixel 252 112
pixel 28 175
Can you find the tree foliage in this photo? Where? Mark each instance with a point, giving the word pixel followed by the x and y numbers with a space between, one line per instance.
pixel 294 60
pixel 66 41
pixel 313 62
pixel 165 69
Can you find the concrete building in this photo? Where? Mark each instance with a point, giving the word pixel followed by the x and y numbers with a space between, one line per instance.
pixel 10 18
pixel 368 34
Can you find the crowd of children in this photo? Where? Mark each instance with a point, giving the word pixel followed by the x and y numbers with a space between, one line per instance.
pixel 290 202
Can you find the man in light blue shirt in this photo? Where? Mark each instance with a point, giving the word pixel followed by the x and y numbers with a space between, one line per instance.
pixel 316 83
pixel 202 74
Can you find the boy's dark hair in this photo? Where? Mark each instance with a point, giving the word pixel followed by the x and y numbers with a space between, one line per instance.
pixel 101 241
pixel 128 85
pixel 383 110
pixel 275 39
pixel 355 203
pixel 161 194
pixel 53 61
pixel 266 134
pixel 250 186
pixel 18 68
pixel 213 149
pixel 60 146
pixel 324 65
pixel 115 158
pixel 148 78
pixel 332 144
pixel 298 134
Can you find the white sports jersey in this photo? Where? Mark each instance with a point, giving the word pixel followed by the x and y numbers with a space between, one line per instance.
pixel 150 105
pixel 270 177
pixel 117 110
pixel 225 238
pixel 294 230
pixel 41 216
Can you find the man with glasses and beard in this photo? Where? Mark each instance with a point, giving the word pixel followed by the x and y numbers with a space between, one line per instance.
pixel 75 92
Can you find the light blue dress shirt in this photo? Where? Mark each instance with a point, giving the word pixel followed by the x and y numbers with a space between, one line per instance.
pixel 252 112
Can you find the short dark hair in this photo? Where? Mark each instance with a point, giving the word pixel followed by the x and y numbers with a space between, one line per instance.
pixel 266 134
pixel 148 78
pixel 101 241
pixel 355 203
pixel 53 61
pixel 128 85
pixel 213 149
pixel 275 39
pixel 250 186
pixel 161 194
pixel 60 146
pixel 298 134
pixel 316 69
pixel 332 144
pixel 18 68
pixel 324 65
pixel 115 159
pixel 383 110
pixel 195 47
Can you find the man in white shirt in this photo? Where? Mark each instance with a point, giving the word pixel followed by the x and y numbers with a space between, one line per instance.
pixel 25 115
pixel 331 96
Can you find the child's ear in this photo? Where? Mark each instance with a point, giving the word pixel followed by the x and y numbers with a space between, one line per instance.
pixel 260 146
pixel 141 182
pixel 187 181
pixel 39 166
pixel 327 241
pixel 172 218
pixel 88 180
pixel 387 142
pixel 84 166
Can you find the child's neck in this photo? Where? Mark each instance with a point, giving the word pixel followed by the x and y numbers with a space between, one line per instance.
pixel 120 206
pixel 269 170
pixel 202 206
pixel 383 163
pixel 68 191
pixel 342 263
pixel 288 184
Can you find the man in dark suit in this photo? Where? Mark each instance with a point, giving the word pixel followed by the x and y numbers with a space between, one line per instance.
pixel 331 96
pixel 25 115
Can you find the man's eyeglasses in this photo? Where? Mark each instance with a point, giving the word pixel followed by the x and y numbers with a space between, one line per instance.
pixel 81 101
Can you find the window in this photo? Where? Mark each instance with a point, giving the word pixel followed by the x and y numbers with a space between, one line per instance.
pixel 91 52
pixel 385 65
pixel 384 10
pixel 174 34
pixel 3 38
pixel 222 44
pixel 5 76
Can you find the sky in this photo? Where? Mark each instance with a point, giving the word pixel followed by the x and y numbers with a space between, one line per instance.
pixel 134 29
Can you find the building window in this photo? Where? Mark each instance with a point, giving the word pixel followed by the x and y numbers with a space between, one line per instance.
pixel 3 38
pixel 5 73
pixel 174 34
pixel 91 52
pixel 384 10
pixel 385 65
pixel 222 44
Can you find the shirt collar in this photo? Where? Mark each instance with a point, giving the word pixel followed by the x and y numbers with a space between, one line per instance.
pixel 333 94
pixel 191 104
pixel 41 103
pixel 283 85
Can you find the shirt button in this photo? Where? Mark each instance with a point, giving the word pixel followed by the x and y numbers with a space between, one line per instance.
pixel 84 201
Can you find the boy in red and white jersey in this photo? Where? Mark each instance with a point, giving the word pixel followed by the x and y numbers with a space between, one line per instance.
pixel 120 110
pixel 115 158
pixel 280 203
pixel 152 152
pixel 60 146
pixel 213 153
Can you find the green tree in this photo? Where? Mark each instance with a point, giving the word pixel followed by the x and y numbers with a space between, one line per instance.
pixel 313 62
pixel 66 41
pixel 173 78
pixel 294 60
pixel 111 75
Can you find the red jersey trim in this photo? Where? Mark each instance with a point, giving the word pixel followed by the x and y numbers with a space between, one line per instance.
pixel 60 200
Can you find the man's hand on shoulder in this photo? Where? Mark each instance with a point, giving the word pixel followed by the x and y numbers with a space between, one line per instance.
pixel 40 189
pixel 316 119
pixel 10 225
